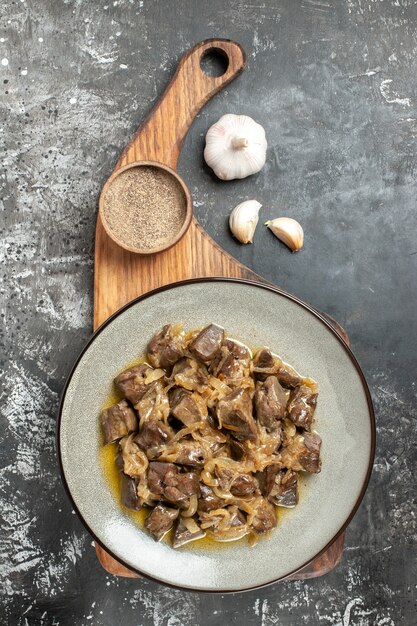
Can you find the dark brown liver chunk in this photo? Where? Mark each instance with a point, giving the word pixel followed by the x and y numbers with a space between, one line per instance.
pixel 288 377
pixel 160 474
pixel 208 500
pixel 179 492
pixel 190 374
pixel 118 421
pixel 165 481
pixel 153 435
pixel 160 521
pixel 129 496
pixel 237 451
pixel 183 535
pixel 238 350
pixel 207 343
pixel 165 349
pixel 264 360
pixel 234 412
pixel 311 459
pixel 270 403
pixel 244 486
pixel 190 453
pixel 265 517
pixel 184 407
pixel 131 382
pixel 301 406
pixel 232 362
pixel 303 453
pixel 284 488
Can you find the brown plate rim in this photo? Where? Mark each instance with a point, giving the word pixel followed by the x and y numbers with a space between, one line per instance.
pixel 259 285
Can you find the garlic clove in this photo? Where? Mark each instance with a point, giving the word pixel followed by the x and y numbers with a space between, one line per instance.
pixel 288 231
pixel 243 220
pixel 235 147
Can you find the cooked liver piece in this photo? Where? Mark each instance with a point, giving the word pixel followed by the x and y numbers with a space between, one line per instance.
pixel 158 474
pixel 190 374
pixel 234 412
pixel 264 359
pixel 129 496
pixel 270 403
pixel 208 500
pixel 284 490
pixel 183 486
pixel 131 382
pixel 118 421
pixel 301 406
pixel 311 461
pixel 244 486
pixel 160 521
pixel 119 459
pixel 238 518
pixel 303 453
pixel 288 377
pixel 189 453
pixel 184 407
pixel 237 451
pixel 153 436
pixel 265 517
pixel 238 350
pixel 232 363
pixel 207 343
pixel 165 481
pixel 184 535
pixel 165 348
pixel 266 478
pixel 224 476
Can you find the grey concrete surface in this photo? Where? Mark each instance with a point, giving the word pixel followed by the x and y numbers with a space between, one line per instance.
pixel 334 84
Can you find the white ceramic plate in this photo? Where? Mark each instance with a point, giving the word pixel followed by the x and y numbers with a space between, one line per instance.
pixel 257 315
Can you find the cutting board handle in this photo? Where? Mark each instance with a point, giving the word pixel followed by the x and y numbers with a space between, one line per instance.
pixel 160 136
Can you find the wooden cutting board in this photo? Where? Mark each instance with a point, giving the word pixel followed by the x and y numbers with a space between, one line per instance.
pixel 121 276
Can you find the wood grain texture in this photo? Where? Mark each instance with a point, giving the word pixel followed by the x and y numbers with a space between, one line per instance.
pixel 120 276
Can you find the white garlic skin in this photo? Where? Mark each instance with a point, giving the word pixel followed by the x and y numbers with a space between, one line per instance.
pixel 243 220
pixel 235 147
pixel 288 231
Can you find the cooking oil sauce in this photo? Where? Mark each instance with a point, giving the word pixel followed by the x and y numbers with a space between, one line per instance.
pixel 112 475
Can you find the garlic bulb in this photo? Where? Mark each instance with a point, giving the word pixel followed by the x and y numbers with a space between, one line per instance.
pixel 243 220
pixel 235 147
pixel 289 231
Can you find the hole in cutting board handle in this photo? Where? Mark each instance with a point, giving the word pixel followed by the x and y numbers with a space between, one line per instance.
pixel 214 62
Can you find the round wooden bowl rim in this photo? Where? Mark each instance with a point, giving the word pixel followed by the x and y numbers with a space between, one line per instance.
pixel 188 208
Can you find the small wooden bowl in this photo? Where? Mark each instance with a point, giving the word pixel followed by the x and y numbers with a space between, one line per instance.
pixel 187 200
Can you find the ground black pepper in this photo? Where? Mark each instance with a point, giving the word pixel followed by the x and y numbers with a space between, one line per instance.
pixel 145 207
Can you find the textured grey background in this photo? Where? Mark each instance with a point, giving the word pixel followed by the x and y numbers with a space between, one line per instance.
pixel 333 82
